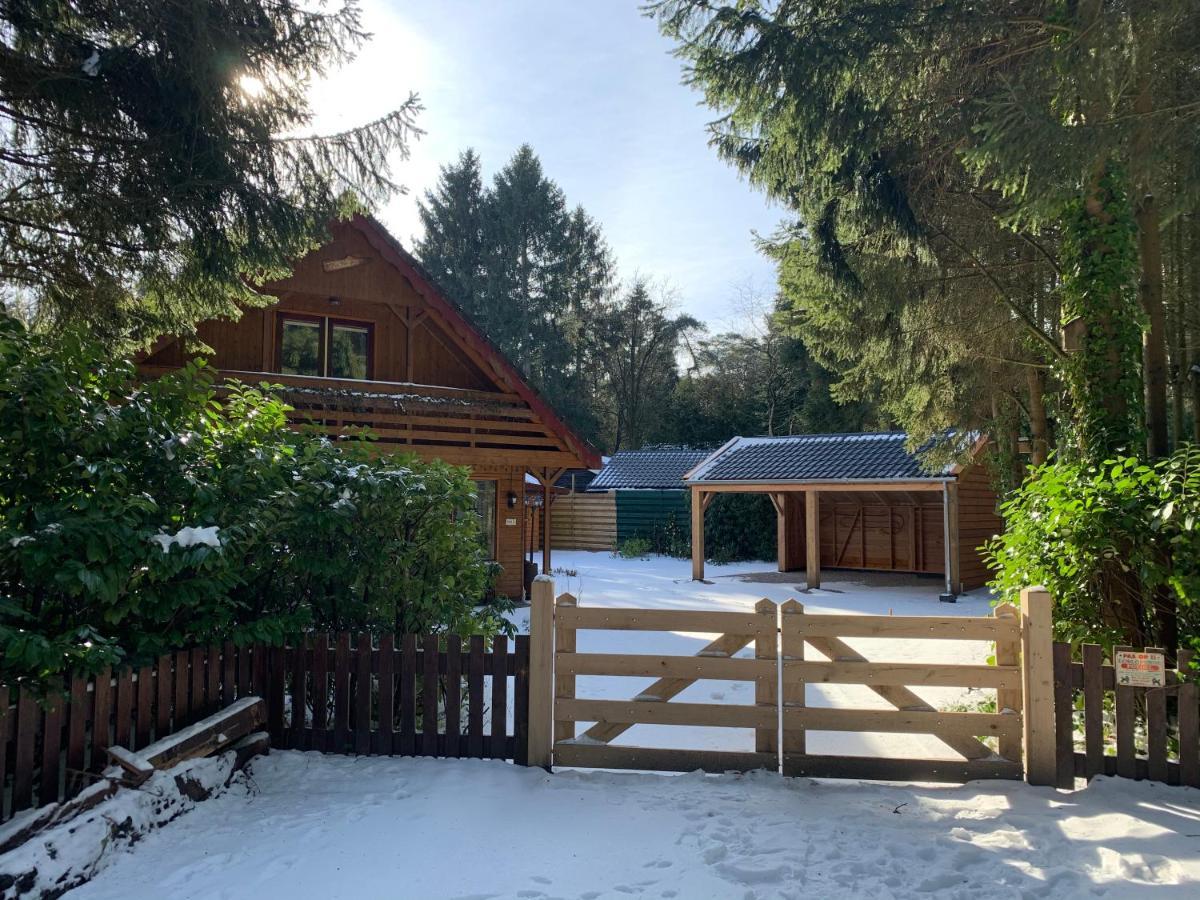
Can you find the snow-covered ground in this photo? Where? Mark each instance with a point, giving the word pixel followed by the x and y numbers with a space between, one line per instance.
pixel 599 579
pixel 308 826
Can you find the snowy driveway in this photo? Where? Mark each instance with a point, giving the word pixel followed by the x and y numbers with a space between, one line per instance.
pixel 321 827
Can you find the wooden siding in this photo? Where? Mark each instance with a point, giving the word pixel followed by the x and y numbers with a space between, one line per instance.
pixel 896 531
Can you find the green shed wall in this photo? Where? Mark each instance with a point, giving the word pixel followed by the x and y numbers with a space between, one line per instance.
pixel 641 513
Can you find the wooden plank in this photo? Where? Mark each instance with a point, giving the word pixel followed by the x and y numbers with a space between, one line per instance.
pixel 199 700
pixel 276 695
pixel 453 697
pixel 228 673
pixel 666 688
pixel 145 706
pixel 1125 708
pixel 163 690
pixel 521 682
pixel 429 695
pixel 1156 730
pixel 387 694
pixel 213 688
pixel 687 621
pixel 362 697
pixel 646 665
pixel 599 756
pixel 964 628
pixel 212 733
pixel 408 695
pixel 182 708
pixel 903 721
pixel 101 712
pixel 341 693
pixel 1064 747
pixel 259 670
pixel 563 648
pixel 1189 724
pixel 296 739
pixel 475 698
pixel 320 691
pixel 123 720
pixel 1038 687
pixel 766 685
pixel 499 695
pixel 946 771
pixel 897 674
pixel 1008 696
pixel 791 643
pixel 81 709
pixel 1093 709
pixel 52 734
pixel 28 720
pixel 641 712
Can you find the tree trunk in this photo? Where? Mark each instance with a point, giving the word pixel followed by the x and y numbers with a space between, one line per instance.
pixel 1039 447
pixel 1154 341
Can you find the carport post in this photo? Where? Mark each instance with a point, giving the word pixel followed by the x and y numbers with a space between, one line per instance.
pixel 950 540
pixel 697 534
pixel 812 537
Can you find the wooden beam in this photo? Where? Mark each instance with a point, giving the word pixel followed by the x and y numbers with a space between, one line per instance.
pixel 812 537
pixel 698 506
pixel 782 555
pixel 950 523
pixel 927 487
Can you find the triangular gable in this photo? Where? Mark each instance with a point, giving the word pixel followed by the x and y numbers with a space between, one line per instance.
pixel 478 346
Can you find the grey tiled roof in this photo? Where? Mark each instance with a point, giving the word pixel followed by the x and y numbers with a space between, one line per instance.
pixel 814 457
pixel 655 468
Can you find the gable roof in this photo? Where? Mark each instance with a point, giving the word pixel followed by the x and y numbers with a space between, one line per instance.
pixel 859 457
pixel 501 367
pixel 653 468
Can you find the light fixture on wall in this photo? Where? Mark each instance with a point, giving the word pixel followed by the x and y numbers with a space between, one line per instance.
pixel 512 500
pixel 334 301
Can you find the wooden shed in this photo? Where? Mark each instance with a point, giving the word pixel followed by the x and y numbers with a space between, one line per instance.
pixel 857 501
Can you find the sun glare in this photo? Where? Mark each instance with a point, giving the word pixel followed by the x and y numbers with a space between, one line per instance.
pixel 251 87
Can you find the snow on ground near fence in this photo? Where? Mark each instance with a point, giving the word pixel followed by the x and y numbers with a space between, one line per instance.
pixel 599 579
pixel 308 826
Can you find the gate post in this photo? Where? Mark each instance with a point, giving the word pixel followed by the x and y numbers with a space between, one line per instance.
pixel 1037 683
pixel 541 672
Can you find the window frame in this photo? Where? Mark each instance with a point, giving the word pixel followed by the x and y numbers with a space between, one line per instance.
pixel 493 550
pixel 325 325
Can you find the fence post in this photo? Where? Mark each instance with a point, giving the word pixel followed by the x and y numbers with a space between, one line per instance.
pixel 1037 683
pixel 541 672
pixel 766 690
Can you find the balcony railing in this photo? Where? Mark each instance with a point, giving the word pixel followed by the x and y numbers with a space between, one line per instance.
pixel 454 424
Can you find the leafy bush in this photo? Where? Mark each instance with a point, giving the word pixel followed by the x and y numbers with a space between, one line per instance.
pixel 634 548
pixel 1116 544
pixel 736 527
pixel 139 518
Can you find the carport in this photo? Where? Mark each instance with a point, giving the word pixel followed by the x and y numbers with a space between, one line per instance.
pixel 856 501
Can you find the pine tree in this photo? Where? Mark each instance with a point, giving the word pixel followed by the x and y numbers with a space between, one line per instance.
pixel 451 247
pixel 154 161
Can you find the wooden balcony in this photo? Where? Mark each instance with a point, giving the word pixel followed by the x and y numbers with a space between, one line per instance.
pixel 458 426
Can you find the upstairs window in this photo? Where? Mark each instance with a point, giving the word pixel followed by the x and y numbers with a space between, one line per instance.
pixel 325 348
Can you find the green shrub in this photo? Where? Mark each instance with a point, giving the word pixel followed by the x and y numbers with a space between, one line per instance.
pixel 1111 542
pixel 140 518
pixel 634 548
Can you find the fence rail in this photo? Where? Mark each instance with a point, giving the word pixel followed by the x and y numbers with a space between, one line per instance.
pixel 332 695
pixel 1150 733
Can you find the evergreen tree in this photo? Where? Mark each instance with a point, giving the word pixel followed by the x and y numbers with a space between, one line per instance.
pixel 150 168
pixel 451 247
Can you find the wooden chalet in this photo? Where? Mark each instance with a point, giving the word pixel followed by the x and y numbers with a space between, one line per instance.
pixel 857 501
pixel 361 336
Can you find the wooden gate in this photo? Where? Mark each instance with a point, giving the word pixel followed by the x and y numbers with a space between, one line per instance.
pixel 987 744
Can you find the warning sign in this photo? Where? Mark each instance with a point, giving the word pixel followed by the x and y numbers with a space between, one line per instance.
pixel 1140 669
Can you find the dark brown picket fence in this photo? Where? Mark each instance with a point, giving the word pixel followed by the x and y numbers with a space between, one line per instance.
pixel 1154 732
pixel 333 695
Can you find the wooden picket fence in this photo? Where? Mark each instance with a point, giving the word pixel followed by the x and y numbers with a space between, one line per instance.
pixel 1153 732
pixel 332 695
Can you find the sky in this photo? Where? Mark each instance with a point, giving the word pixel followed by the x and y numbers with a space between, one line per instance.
pixel 592 86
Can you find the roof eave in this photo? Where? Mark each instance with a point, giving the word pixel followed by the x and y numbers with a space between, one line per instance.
pixel 817 482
